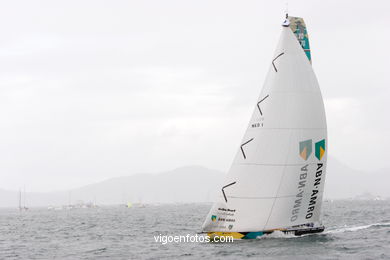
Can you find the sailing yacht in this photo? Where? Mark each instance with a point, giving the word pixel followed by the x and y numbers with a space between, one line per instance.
pixel 20 206
pixel 276 180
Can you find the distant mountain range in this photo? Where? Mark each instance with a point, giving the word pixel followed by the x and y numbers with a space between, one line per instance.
pixel 193 184
pixel 345 182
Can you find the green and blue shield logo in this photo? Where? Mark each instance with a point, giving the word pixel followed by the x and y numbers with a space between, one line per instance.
pixel 305 149
pixel 320 149
pixel 213 218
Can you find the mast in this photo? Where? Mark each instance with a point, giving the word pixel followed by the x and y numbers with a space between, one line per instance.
pixel 69 198
pixel 20 199
pixel 24 197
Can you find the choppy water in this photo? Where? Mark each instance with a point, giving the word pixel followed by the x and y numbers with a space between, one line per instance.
pixel 355 230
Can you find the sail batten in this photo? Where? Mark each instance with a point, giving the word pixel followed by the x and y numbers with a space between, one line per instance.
pixel 277 176
pixel 275 164
pixel 261 197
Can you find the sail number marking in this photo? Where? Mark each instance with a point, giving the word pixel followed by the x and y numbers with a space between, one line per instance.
pixel 258 104
pixel 242 150
pixel 223 192
pixel 273 64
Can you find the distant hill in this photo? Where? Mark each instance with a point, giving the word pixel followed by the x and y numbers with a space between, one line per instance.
pixel 344 182
pixel 186 184
pixel 193 184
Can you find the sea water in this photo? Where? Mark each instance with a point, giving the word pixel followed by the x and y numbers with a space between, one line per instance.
pixel 354 230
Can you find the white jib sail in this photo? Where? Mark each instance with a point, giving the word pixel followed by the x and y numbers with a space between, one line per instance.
pixel 277 177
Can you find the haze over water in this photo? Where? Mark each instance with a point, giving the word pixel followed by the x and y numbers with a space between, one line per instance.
pixel 354 229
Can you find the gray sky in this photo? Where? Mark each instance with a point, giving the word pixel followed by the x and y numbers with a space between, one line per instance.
pixel 96 89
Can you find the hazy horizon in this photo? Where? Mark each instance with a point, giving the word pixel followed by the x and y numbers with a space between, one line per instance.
pixel 190 184
pixel 91 90
pixel 26 188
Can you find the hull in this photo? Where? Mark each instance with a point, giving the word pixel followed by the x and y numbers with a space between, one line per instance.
pixel 254 235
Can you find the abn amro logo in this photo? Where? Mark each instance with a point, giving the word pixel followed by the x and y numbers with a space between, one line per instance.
pixel 320 149
pixel 305 149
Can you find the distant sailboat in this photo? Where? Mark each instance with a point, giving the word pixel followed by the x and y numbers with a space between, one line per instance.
pixel 139 204
pixel 22 198
pixel 277 178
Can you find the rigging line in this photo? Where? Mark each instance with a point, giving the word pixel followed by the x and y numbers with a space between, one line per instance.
pixel 286 10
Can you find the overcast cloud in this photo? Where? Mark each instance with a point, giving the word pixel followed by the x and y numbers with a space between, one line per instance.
pixel 96 89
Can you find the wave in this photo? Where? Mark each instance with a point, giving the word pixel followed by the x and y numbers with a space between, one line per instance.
pixel 277 234
pixel 280 234
pixel 355 228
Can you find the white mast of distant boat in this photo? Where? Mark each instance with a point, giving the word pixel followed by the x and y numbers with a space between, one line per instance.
pixel 22 199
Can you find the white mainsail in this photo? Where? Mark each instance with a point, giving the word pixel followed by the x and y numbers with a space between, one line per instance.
pixel 277 177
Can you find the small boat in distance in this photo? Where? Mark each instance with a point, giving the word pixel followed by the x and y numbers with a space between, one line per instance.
pixel 22 198
pixel 276 181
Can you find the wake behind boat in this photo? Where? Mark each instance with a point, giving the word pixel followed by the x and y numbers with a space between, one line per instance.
pixel 276 181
